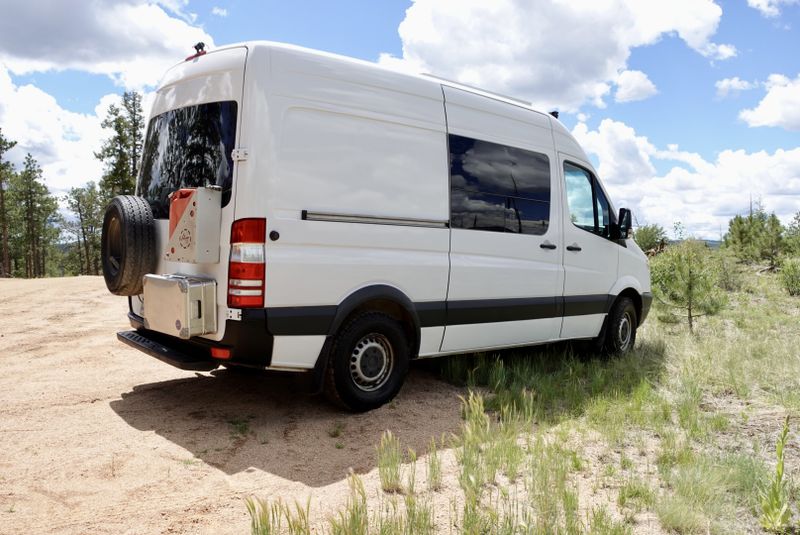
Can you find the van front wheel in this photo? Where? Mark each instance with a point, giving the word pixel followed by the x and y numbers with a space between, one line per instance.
pixel 622 323
pixel 368 362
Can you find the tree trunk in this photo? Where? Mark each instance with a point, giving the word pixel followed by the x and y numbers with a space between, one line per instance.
pixel 5 265
pixel 85 241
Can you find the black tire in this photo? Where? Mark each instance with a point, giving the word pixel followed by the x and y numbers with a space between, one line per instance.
pixel 368 362
pixel 128 244
pixel 620 333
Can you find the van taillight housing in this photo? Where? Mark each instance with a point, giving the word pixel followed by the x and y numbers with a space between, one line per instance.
pixel 246 268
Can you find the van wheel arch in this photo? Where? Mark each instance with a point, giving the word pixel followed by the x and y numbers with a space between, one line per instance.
pixel 385 299
pixel 599 344
pixel 378 298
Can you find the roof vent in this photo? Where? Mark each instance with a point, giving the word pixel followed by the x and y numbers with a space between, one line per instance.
pixel 554 113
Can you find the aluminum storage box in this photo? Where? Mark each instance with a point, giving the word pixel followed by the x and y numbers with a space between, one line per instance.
pixel 180 305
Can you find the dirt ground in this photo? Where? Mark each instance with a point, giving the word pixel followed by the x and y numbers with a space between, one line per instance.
pixel 96 437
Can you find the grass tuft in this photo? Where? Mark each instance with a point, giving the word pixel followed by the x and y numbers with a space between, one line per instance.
pixel 389 459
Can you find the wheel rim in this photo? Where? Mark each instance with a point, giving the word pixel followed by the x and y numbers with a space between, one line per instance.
pixel 625 331
pixel 113 241
pixel 371 362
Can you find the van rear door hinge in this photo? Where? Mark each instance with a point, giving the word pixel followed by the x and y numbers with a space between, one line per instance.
pixel 239 155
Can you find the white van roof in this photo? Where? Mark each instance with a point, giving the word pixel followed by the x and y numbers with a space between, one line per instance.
pixel 566 139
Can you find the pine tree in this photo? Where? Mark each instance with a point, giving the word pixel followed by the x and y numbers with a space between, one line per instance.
pixel 6 169
pixel 771 241
pixel 684 279
pixel 86 203
pixel 35 219
pixel 115 153
pixel 134 115
pixel 122 151
pixel 792 236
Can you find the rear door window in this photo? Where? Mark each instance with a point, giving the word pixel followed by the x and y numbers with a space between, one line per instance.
pixel 187 148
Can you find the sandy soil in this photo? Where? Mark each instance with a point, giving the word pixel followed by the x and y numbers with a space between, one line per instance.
pixel 96 437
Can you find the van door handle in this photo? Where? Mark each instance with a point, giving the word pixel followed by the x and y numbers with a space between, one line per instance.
pixel 547 245
pixel 573 247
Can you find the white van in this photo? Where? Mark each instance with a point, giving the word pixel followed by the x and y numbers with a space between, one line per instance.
pixel 302 211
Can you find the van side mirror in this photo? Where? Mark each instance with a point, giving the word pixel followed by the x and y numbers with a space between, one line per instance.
pixel 625 224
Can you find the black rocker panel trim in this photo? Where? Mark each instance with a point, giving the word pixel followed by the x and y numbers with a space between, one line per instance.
pixel 496 310
pixel 322 320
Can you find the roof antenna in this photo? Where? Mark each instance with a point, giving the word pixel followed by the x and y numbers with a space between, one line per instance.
pixel 554 113
pixel 200 49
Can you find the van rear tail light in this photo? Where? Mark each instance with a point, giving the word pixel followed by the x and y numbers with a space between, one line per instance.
pixel 246 269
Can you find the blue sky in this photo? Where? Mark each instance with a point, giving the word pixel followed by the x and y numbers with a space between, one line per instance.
pixel 641 84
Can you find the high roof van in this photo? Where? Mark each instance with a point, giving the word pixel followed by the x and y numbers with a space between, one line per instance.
pixel 301 211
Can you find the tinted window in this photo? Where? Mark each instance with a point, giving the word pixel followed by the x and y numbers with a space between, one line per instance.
pixel 531 217
pixel 478 211
pixel 488 167
pixel 185 148
pixel 499 188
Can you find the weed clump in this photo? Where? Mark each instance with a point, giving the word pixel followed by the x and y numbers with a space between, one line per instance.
pixel 790 276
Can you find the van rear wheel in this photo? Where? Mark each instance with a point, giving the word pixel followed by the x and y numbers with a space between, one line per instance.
pixel 368 362
pixel 621 331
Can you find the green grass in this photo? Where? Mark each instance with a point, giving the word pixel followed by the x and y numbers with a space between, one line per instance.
pixel 681 429
pixel 239 427
pixel 389 459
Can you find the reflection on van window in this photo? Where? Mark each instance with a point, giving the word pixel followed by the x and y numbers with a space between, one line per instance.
pixel 498 188
pixel 588 206
pixel 579 197
pixel 186 148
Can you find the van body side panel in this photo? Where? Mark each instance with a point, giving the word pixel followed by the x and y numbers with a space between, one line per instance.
pixel 353 143
pixel 504 287
pixel 215 77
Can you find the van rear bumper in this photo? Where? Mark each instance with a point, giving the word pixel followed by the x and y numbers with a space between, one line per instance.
pixel 248 341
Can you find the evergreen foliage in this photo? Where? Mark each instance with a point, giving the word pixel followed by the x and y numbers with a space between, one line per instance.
pixel 756 237
pixel 33 221
pixel 88 206
pixel 122 151
pixel 6 169
pixel 649 236
pixel 685 279
pixel 790 275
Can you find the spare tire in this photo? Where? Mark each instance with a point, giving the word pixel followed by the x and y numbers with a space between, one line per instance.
pixel 128 244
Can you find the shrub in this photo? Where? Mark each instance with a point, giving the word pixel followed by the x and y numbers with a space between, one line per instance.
pixel 685 279
pixel 790 275
pixel 649 236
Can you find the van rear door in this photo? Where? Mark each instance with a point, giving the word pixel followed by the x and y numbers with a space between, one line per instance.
pixel 193 129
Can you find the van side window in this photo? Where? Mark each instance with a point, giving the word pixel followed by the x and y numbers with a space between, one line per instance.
pixel 498 188
pixel 588 206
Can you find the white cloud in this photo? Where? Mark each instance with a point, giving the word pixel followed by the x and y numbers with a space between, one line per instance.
pixel 62 141
pixel 132 41
pixel 728 86
pixel 770 8
pixel 219 11
pixel 703 195
pixel 779 107
pixel 634 85
pixel 556 53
